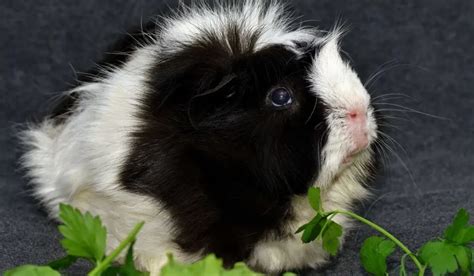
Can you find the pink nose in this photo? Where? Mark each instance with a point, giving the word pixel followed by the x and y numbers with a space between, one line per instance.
pixel 357 124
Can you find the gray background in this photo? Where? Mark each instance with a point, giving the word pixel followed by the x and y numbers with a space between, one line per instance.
pixel 431 42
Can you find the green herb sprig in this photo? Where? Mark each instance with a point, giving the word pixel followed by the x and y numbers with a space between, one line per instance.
pixel 84 237
pixel 453 252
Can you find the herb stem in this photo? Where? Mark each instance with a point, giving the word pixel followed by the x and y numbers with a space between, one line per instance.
pixel 101 266
pixel 329 218
pixel 420 267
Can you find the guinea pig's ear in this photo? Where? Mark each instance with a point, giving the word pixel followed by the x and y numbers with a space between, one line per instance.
pixel 211 101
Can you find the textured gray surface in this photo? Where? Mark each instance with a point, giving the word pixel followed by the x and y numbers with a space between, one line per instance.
pixel 431 41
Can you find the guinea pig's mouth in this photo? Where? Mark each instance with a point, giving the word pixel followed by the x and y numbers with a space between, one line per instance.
pixel 361 146
pixel 351 156
pixel 348 160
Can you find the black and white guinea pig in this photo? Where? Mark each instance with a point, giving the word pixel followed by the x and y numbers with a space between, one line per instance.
pixel 210 129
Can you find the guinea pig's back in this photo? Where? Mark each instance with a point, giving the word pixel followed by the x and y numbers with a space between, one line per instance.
pixel 86 143
pixel 76 159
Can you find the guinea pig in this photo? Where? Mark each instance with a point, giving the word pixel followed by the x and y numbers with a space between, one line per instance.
pixel 210 126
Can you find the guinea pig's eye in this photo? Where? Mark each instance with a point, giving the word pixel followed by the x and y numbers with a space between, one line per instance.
pixel 280 97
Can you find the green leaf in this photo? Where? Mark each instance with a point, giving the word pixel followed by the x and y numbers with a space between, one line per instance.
pixel 374 253
pixel 63 263
pixel 472 259
pixel 111 271
pixel 452 253
pixel 313 228
pixel 331 235
pixel 460 231
pixel 106 263
pixel 127 269
pixel 84 235
pixel 31 270
pixel 210 265
pixel 301 228
pixel 441 257
pixel 463 257
pixel 238 270
pixel 314 198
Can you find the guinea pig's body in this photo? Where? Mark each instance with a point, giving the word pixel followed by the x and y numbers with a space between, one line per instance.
pixel 211 130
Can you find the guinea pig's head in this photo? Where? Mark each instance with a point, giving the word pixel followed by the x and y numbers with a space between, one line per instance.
pixel 278 114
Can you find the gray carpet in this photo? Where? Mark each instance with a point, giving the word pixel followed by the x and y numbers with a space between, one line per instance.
pixel 427 177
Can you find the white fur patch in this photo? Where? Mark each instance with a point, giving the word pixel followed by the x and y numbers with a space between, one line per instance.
pixel 79 162
pixel 339 87
pixel 271 21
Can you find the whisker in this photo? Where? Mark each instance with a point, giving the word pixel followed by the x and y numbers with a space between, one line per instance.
pixel 74 71
pixel 391 126
pixel 392 98
pixel 415 111
pixel 393 94
pixel 392 110
pixel 393 141
pixel 375 76
pixel 378 71
pixel 383 153
pixel 318 125
pixel 389 117
pixel 312 112
pixel 404 165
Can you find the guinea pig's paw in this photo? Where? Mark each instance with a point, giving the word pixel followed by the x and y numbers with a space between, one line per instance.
pixel 277 256
pixel 150 263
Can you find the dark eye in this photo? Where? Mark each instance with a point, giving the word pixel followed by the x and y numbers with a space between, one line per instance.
pixel 280 97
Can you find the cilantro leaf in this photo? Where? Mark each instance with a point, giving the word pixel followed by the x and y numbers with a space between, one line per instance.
pixel 240 269
pixel 84 235
pixel 472 258
pixel 463 257
pixel 174 268
pixel 127 269
pixel 314 198
pixel 443 257
pixel 210 265
pixel 301 228
pixel 63 262
pixel 313 228
pixel 31 270
pixel 374 253
pixel 331 235
pixel 460 231
pixel 111 271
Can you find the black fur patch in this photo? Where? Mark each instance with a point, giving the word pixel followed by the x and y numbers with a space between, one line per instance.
pixel 215 153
